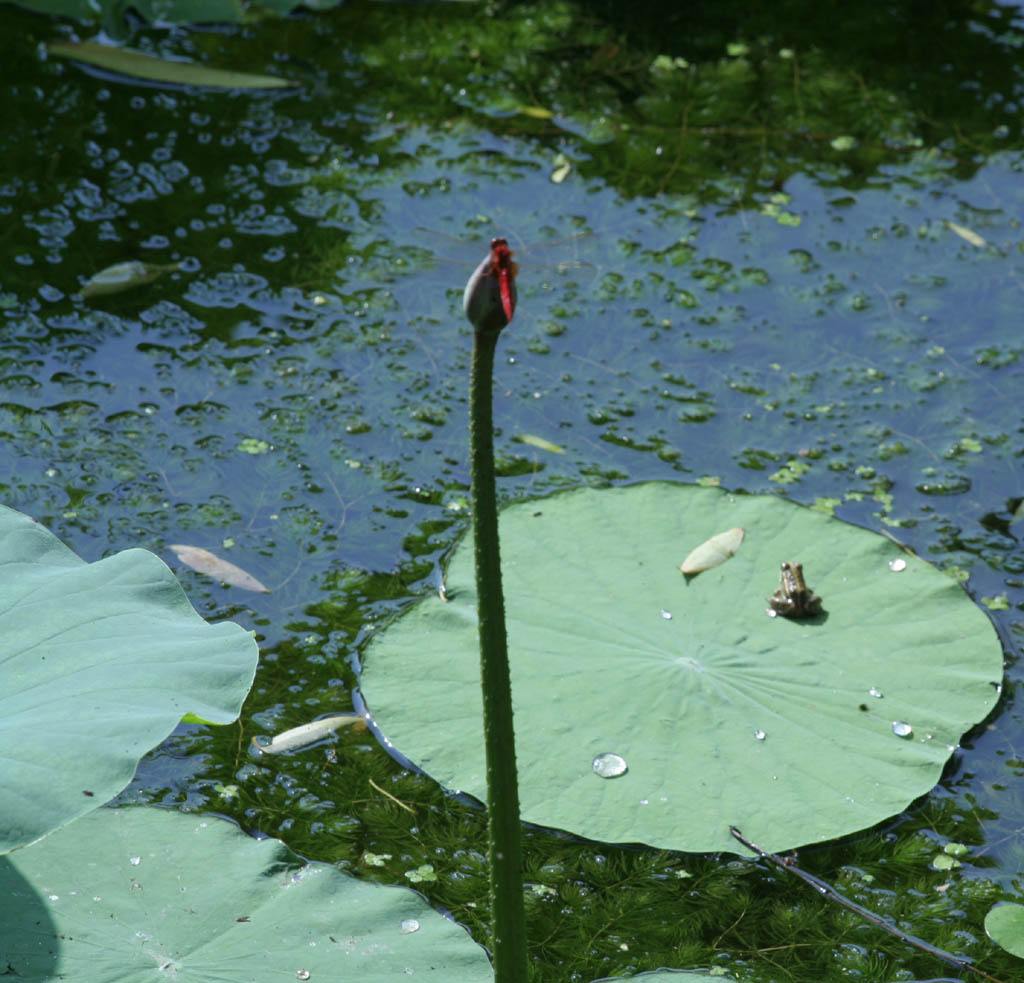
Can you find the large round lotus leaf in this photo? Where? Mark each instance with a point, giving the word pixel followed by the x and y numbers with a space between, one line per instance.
pixel 723 715
pixel 98 664
pixel 144 893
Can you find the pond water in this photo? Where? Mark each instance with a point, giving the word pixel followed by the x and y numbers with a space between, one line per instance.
pixel 801 274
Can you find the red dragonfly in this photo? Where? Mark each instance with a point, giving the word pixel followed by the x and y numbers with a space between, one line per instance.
pixel 492 280
pixel 490 296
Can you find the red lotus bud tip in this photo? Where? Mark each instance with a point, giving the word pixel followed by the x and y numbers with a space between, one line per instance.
pixel 490 297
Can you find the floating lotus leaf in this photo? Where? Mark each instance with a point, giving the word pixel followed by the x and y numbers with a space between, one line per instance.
pixel 1004 924
pixel 145 893
pixel 795 731
pixel 99 662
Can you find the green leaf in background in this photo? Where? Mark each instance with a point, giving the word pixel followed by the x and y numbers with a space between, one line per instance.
pixel 139 893
pixel 98 663
pixel 722 715
pixel 844 143
pixel 135 64
pixel 1004 924
pixel 173 11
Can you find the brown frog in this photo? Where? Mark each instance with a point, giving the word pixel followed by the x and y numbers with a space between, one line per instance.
pixel 793 598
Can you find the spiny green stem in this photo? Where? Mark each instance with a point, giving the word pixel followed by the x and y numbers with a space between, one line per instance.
pixel 508 918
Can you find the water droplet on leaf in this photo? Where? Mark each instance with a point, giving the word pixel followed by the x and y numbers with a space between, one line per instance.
pixel 609 765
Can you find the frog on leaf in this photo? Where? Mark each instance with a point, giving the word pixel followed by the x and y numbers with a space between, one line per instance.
pixel 793 598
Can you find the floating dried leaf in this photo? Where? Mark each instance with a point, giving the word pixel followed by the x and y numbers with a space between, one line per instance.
pixel 135 64
pixel 544 445
pixel 213 566
pixel 562 169
pixel 306 734
pixel 968 235
pixel 716 550
pixel 124 276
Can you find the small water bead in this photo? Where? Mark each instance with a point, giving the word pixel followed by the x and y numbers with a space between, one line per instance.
pixel 760 735
pixel 901 729
pixel 667 615
pixel 875 692
pixel 302 974
pixel 409 926
pixel 609 765
pixel 897 565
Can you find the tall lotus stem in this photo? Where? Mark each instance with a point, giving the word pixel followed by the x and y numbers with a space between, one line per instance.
pixel 489 302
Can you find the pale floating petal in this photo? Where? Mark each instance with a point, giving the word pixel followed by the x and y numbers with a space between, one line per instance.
pixel 135 64
pixel 968 235
pixel 124 276
pixel 213 566
pixel 306 734
pixel 562 169
pixel 544 445
pixel 716 550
